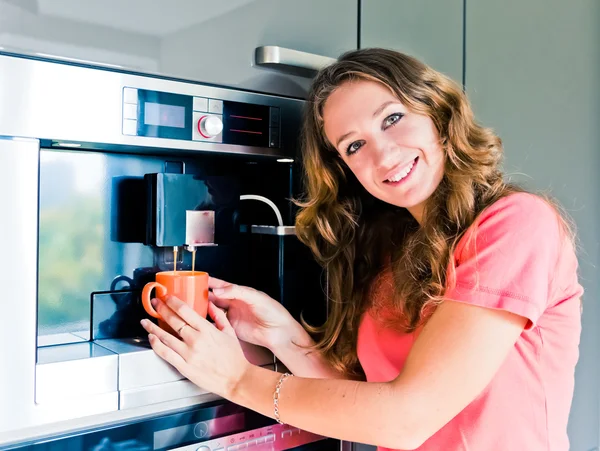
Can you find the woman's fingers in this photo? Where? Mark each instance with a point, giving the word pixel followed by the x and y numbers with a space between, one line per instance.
pixel 169 340
pixel 180 313
pixel 245 294
pixel 167 353
pixel 213 282
pixel 220 319
pixel 167 314
pixel 219 302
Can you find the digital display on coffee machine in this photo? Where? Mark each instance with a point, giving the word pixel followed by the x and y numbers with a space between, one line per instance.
pixel 246 124
pixel 164 115
pixel 159 114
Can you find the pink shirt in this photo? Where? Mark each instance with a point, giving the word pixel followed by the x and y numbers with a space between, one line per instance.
pixel 523 264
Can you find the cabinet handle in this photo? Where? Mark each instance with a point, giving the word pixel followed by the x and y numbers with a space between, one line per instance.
pixel 291 61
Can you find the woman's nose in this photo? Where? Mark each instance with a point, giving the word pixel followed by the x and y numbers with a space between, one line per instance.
pixel 386 154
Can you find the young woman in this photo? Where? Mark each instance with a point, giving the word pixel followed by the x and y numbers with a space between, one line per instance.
pixel 455 317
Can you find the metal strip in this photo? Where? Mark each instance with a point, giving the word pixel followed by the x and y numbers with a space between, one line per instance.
pixel 19 160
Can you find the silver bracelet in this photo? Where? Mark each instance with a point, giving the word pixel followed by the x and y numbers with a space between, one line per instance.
pixel 276 395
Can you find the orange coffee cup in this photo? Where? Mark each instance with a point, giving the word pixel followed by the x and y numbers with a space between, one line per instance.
pixel 190 287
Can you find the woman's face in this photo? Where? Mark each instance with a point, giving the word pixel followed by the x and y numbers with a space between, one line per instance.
pixel 394 153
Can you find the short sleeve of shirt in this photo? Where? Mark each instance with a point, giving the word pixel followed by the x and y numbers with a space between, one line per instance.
pixel 507 258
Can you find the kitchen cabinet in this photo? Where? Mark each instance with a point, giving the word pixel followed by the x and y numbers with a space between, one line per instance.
pixel 198 40
pixel 532 73
pixel 430 30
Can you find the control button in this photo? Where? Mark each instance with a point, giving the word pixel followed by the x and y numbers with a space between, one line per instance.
pixel 274 116
pixel 273 137
pixel 251 443
pixel 232 448
pixel 129 127
pixel 219 449
pixel 287 433
pixel 201 430
pixel 203 448
pixel 270 438
pixel 260 440
pixel 129 111
pixel 242 446
pixel 210 126
pixel 130 95
pixel 197 132
pixel 201 104
pixel 215 106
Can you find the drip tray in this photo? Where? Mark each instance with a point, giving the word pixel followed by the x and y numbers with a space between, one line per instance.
pixel 139 366
pixel 127 369
pixel 74 371
pixel 144 378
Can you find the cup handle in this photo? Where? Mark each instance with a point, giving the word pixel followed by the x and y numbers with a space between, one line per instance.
pixel 160 292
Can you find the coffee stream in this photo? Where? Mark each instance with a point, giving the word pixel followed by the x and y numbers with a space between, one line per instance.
pixel 175 250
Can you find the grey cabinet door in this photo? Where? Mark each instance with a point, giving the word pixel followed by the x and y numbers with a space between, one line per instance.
pixel 532 72
pixel 431 30
pixel 201 40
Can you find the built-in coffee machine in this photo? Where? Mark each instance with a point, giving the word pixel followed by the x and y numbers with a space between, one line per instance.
pixel 108 178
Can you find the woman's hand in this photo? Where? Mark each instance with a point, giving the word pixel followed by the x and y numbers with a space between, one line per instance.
pixel 207 354
pixel 255 317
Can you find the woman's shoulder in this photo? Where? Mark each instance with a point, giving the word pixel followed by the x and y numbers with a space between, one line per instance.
pixel 516 222
pixel 522 207
pixel 524 214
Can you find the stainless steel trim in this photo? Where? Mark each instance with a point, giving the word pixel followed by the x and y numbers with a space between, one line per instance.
pixel 62 58
pixel 19 160
pixel 273 230
pixel 54 419
pixel 214 427
pixel 51 355
pixel 291 61
pixel 70 408
pixel 155 394
pixel 276 437
pixel 74 371
pixel 85 105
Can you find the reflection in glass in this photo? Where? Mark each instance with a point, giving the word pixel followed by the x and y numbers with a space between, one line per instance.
pixel 71 233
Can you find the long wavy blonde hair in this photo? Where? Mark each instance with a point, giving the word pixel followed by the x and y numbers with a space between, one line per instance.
pixel 355 236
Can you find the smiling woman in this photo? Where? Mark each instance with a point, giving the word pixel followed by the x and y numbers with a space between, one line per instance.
pixel 455 319
pixel 387 144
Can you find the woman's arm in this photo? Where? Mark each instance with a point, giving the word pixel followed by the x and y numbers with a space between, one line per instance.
pixel 454 358
pixel 261 320
pixel 300 360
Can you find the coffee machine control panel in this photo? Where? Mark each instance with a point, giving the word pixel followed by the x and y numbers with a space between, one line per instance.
pixel 158 114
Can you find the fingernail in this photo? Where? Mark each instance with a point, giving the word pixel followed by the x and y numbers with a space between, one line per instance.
pixel 154 302
pixel 143 322
pixel 218 291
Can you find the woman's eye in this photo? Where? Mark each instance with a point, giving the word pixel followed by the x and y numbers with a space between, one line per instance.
pixel 392 119
pixel 353 147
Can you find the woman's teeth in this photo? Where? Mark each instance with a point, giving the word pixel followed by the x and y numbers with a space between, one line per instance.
pixel 400 175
